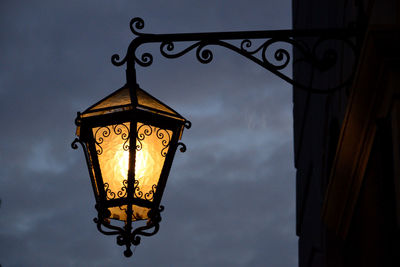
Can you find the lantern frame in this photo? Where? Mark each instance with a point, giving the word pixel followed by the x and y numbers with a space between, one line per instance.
pixel 109 119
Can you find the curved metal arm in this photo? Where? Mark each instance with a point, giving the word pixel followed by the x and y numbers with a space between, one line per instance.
pixel 259 54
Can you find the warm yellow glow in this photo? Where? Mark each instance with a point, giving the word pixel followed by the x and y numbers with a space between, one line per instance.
pixel 122 160
pixel 143 162
pixel 146 168
pixel 150 157
pixel 113 156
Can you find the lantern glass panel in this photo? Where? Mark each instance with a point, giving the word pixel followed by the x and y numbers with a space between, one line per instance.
pixel 138 213
pixel 112 148
pixel 152 145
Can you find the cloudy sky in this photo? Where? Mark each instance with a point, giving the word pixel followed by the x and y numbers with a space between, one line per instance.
pixel 230 199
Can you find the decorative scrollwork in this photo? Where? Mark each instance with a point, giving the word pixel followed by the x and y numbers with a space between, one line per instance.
pixel 204 55
pixel 143 131
pixel 136 23
pixel 147 130
pixel 109 193
pixel 188 124
pixel 127 235
pixel 123 191
pixel 74 143
pixel 281 55
pixel 165 138
pixel 105 131
pixel 139 194
pixel 167 48
pixel 145 60
pixel 99 138
pixel 123 130
pixel 246 43
pixel 150 195
pixel 329 55
pixel 115 60
pixel 274 59
pixel 280 59
pixel 101 222
pixel 183 147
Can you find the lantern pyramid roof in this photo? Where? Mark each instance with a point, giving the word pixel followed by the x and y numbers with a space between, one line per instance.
pixel 121 100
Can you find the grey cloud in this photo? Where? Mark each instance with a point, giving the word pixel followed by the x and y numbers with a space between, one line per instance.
pixel 230 197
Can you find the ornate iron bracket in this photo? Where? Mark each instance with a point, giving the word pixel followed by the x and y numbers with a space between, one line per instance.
pixel 275 62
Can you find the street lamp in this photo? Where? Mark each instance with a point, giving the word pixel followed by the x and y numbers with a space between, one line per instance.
pixel 129 138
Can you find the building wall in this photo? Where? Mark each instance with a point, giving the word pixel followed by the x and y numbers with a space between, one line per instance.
pixel 317 120
pixel 318 123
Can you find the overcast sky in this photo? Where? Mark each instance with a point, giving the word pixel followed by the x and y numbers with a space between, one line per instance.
pixel 230 199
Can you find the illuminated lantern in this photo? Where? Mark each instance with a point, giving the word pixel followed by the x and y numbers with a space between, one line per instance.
pixel 129 139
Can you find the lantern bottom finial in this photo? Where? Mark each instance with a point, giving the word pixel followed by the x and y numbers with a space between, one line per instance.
pixel 128 252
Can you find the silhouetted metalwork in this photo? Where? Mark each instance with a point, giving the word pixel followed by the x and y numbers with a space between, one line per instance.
pixel 269 54
pixel 126 235
pixel 112 136
pixel 99 122
pixel 104 132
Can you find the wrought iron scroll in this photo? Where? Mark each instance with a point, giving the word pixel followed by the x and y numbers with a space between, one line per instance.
pixel 105 131
pixel 143 131
pixel 260 53
pixel 99 137
pixel 109 193
pixel 138 193
pixel 147 130
pixel 127 237
pixel 165 137
pixel 88 163
pixel 124 189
